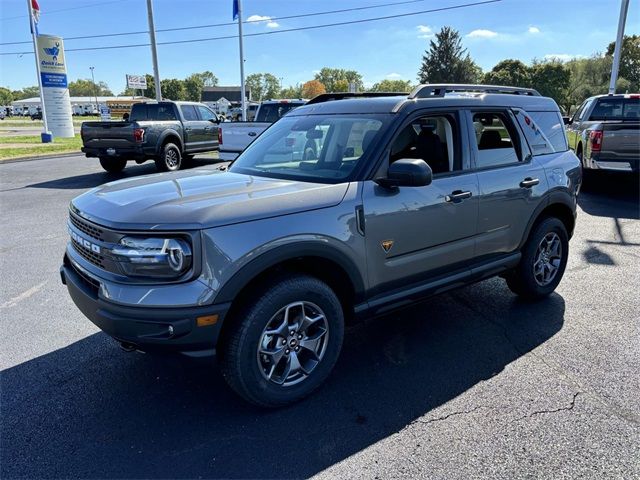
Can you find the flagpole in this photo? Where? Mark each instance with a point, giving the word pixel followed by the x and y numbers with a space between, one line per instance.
pixel 37 55
pixel 242 90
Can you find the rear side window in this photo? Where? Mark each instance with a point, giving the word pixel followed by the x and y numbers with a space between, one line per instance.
pixel 619 109
pixel 535 135
pixel 497 139
pixel 189 112
pixel 552 126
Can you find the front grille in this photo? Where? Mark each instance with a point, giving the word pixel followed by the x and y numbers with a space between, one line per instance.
pixel 87 254
pixel 86 227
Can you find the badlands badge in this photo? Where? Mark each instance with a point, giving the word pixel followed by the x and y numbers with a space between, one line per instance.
pixel 386 245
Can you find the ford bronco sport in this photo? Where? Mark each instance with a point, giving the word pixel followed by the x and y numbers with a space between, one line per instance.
pixel 265 262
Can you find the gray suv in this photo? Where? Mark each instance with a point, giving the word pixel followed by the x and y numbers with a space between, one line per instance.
pixel 406 197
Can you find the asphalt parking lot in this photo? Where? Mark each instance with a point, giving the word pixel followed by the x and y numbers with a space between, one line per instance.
pixel 474 383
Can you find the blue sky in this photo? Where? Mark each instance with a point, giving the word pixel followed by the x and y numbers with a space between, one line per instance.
pixel 522 29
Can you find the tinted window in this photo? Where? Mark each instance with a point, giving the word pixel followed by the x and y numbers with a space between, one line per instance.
pixel 317 148
pixel 138 112
pixel 496 139
pixel 270 112
pixel 616 109
pixel 189 112
pixel 206 114
pixel 160 111
pixel 544 131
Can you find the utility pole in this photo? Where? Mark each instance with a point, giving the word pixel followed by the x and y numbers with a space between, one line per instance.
pixel 624 7
pixel 154 51
pixel 242 90
pixel 95 89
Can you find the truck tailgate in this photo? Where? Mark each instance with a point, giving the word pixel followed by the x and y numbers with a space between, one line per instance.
pixel 621 140
pixel 107 134
pixel 236 136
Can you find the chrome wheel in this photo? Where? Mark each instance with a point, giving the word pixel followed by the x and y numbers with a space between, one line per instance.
pixel 547 259
pixel 293 343
pixel 171 158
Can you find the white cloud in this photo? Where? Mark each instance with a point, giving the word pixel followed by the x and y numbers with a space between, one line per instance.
pixel 533 30
pixel 563 57
pixel 394 76
pixel 424 31
pixel 263 19
pixel 482 33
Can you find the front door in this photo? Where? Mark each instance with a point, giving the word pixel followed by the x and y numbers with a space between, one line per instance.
pixel 209 122
pixel 414 233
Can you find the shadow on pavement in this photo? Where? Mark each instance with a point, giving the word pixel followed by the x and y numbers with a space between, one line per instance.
pixel 611 194
pixel 91 180
pixel 90 410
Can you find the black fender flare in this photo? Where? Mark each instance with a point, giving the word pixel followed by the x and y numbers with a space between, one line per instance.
pixel 553 197
pixel 163 137
pixel 288 252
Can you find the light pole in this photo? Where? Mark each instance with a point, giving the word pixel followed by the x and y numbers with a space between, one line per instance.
pixel 95 90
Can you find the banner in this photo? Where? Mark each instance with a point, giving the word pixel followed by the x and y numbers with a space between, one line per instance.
pixel 55 92
pixel 137 82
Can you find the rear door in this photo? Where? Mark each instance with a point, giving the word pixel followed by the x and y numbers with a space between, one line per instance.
pixel 414 233
pixel 511 181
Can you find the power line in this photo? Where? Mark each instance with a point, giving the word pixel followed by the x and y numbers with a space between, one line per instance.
pixel 65 9
pixel 275 32
pixel 212 25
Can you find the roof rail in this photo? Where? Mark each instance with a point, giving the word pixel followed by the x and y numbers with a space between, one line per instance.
pixel 439 90
pixel 327 97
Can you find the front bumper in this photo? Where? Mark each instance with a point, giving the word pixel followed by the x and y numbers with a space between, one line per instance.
pixel 145 328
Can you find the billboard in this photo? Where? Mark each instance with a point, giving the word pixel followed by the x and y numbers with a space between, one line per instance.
pixel 138 82
pixel 55 92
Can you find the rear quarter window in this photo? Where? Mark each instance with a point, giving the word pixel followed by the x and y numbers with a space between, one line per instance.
pixel 544 131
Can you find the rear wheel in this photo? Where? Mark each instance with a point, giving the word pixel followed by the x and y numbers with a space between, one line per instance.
pixel 170 158
pixel 544 259
pixel 113 165
pixel 284 345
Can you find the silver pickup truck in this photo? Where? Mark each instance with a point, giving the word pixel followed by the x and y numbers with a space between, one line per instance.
pixel 605 132
pixel 234 137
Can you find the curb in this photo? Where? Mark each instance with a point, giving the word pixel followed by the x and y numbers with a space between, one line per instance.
pixel 41 157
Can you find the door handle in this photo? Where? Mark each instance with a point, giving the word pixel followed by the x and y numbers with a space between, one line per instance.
pixel 529 182
pixel 252 134
pixel 457 196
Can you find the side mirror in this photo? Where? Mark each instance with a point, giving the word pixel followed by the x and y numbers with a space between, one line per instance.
pixel 214 120
pixel 407 172
pixel 566 120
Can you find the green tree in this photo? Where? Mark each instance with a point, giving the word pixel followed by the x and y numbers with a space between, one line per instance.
pixel 338 79
pixel 392 86
pixel 292 91
pixel 446 61
pixel 509 72
pixel 172 89
pixel 629 60
pixel 551 79
pixel 6 97
pixel 262 86
pixel 588 77
pixel 26 92
pixel 150 91
pixel 84 87
pixel 193 86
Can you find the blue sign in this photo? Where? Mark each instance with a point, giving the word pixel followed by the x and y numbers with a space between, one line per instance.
pixel 58 80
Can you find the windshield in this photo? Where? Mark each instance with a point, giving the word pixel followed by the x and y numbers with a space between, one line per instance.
pixel 616 109
pixel 270 112
pixel 315 148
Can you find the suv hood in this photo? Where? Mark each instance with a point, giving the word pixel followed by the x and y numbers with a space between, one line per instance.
pixel 201 199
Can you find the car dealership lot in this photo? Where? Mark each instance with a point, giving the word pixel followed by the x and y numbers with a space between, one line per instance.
pixel 472 383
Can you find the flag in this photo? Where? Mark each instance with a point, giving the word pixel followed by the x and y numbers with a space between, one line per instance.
pixel 35 15
pixel 235 9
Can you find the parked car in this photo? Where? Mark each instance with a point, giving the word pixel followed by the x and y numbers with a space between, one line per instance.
pixel 605 133
pixel 166 132
pixel 234 137
pixel 409 196
pixel 36 116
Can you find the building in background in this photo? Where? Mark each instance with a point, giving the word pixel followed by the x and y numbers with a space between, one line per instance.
pixel 222 99
pixel 79 105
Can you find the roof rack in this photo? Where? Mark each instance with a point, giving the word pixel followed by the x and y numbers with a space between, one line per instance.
pixel 327 97
pixel 439 90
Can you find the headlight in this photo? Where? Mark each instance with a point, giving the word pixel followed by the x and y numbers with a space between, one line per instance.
pixel 154 256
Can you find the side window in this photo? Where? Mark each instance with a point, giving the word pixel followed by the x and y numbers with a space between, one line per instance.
pixel 206 114
pixel 552 127
pixel 497 139
pixel 434 139
pixel 189 112
pixel 585 109
pixel 537 134
pixel 158 111
pixel 578 112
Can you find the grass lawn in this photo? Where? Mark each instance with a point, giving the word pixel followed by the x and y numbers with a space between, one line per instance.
pixel 30 145
pixel 27 122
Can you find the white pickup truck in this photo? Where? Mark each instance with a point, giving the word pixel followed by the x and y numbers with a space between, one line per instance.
pixel 234 137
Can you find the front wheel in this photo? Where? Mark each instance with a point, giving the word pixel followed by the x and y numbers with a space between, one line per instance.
pixel 544 259
pixel 170 158
pixel 284 345
pixel 113 165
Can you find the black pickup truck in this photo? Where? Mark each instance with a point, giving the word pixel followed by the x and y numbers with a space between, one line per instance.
pixel 167 132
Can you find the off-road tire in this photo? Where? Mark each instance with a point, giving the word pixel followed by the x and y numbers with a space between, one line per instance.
pixel 238 354
pixel 113 165
pixel 522 280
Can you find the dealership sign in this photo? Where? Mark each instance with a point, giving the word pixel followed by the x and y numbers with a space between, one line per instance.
pixel 138 82
pixel 55 91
